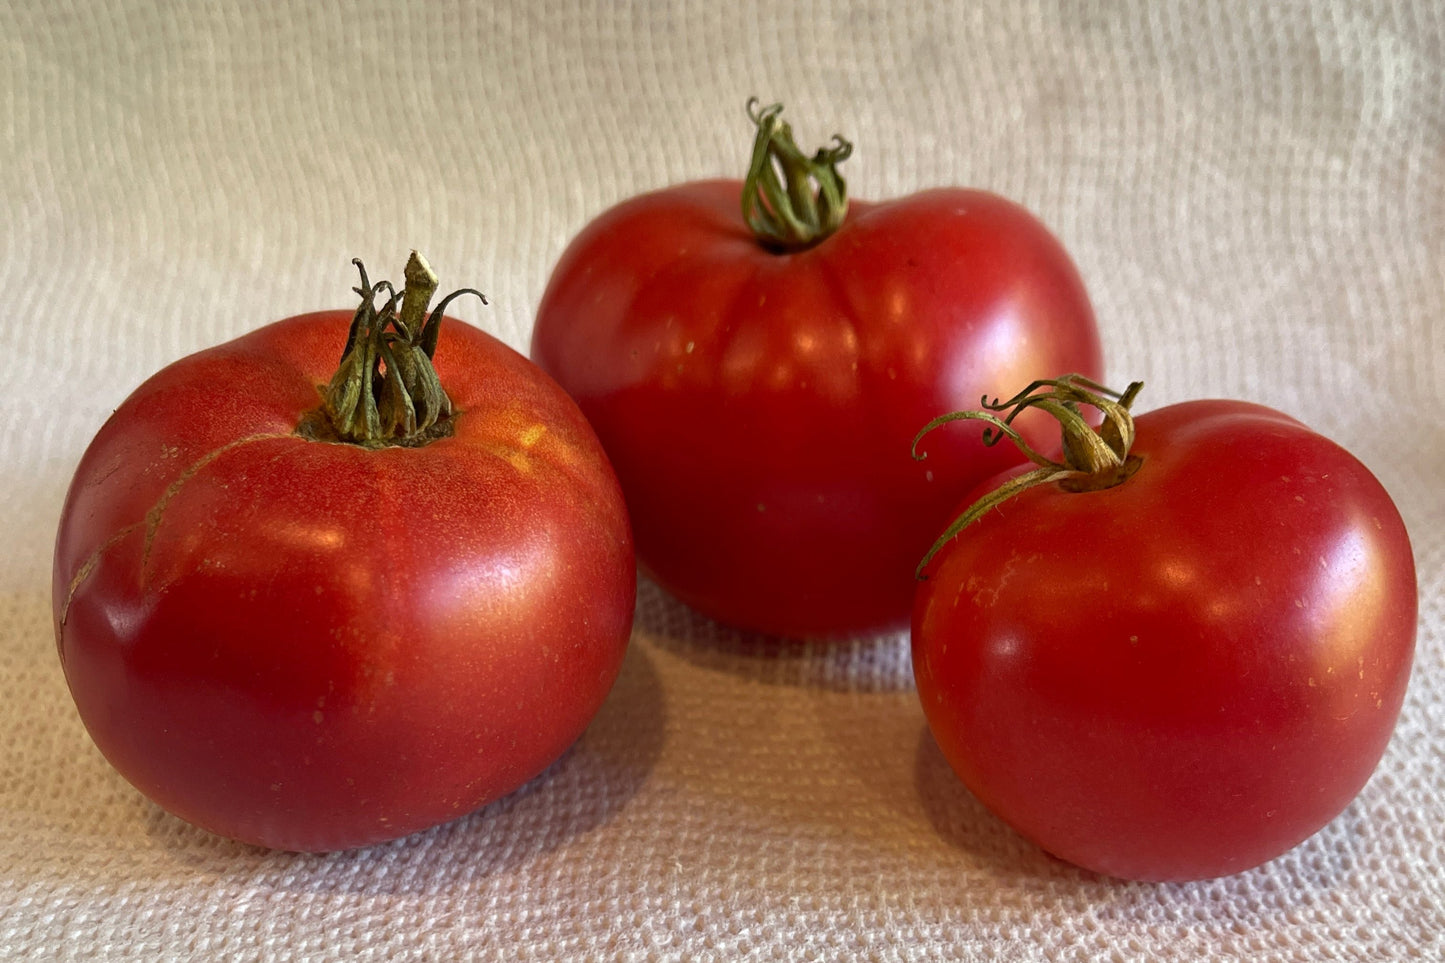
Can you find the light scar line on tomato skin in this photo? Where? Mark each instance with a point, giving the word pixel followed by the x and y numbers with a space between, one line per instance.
pixel 152 518
pixel 86 567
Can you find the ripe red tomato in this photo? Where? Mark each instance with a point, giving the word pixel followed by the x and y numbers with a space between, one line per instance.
pixel 757 399
pixel 1185 674
pixel 311 644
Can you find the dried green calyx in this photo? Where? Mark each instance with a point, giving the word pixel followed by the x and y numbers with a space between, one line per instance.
pixel 385 390
pixel 1092 458
pixel 790 200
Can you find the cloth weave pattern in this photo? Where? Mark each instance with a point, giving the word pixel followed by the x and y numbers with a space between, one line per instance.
pixel 1254 194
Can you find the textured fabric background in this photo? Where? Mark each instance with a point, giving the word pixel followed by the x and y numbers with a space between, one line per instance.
pixel 1254 192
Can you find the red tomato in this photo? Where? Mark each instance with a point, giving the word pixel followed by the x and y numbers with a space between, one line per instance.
pixel 757 403
pixel 1183 675
pixel 315 645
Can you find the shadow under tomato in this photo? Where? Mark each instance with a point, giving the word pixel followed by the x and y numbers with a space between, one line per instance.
pixel 584 789
pixel 962 821
pixel 878 663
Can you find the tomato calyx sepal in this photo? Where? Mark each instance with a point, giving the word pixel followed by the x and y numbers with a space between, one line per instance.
pixel 792 201
pixel 1092 458
pixel 385 390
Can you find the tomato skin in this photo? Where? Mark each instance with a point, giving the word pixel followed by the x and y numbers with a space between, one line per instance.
pixel 1187 674
pixel 758 406
pixel 315 646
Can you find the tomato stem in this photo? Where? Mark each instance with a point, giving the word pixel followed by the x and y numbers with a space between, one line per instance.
pixel 385 390
pixel 1092 458
pixel 792 201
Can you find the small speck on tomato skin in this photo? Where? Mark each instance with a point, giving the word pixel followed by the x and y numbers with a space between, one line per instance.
pixel 1222 709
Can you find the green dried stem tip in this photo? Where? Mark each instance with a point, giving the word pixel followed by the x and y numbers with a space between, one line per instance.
pixel 790 200
pixel 385 390
pixel 1092 458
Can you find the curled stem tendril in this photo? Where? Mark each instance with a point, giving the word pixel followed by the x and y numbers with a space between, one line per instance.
pixel 790 200
pixel 385 390
pixel 1092 458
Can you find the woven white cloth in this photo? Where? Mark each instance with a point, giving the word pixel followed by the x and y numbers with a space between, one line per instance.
pixel 1254 193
